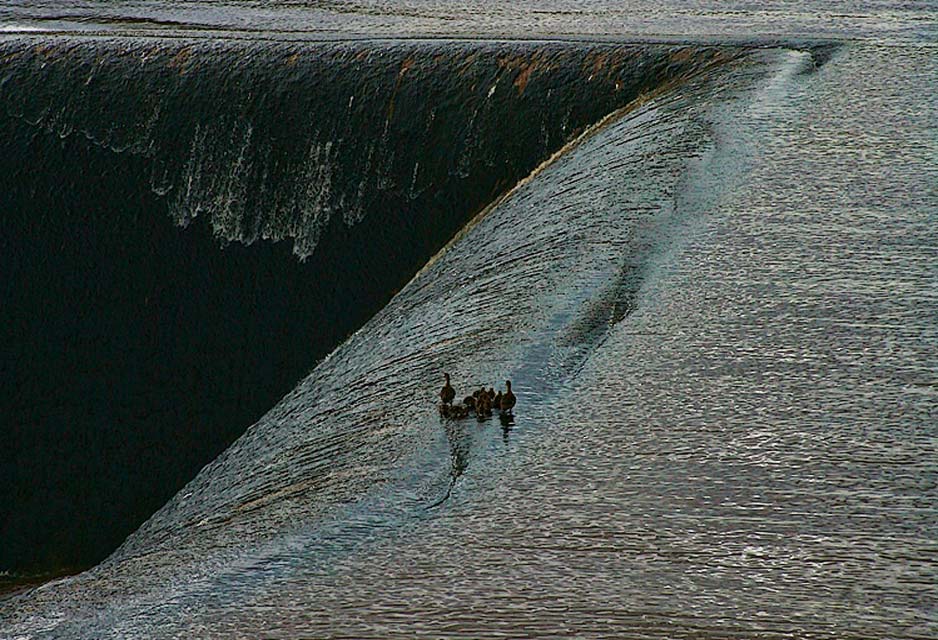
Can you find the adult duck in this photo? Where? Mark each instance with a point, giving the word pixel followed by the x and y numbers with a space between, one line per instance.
pixel 508 399
pixel 447 393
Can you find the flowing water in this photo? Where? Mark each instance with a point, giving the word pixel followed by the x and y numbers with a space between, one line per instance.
pixel 718 309
pixel 154 191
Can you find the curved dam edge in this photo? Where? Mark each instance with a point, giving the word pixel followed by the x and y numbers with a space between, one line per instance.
pixel 152 187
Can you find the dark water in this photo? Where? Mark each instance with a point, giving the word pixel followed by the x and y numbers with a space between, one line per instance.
pixel 718 311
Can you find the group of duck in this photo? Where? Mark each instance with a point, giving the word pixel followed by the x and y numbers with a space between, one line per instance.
pixel 481 402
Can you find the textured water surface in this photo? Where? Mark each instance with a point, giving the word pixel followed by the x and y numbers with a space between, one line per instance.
pixel 718 311
pixel 872 20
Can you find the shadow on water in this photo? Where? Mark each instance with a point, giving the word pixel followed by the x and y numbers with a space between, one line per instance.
pixel 460 435
pixel 460 439
pixel 507 421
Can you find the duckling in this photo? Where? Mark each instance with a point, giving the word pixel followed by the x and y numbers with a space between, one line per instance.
pixel 447 393
pixel 508 398
pixel 483 404
pixel 460 411
pixel 470 403
pixel 497 401
pixel 491 394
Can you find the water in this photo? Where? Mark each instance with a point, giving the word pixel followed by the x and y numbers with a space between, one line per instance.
pixel 152 187
pixel 874 20
pixel 718 312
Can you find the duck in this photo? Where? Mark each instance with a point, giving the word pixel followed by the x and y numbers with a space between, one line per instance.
pixel 447 393
pixel 508 399
pixel 484 403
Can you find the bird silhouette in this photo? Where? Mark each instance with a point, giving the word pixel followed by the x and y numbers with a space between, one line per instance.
pixel 508 399
pixel 447 393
